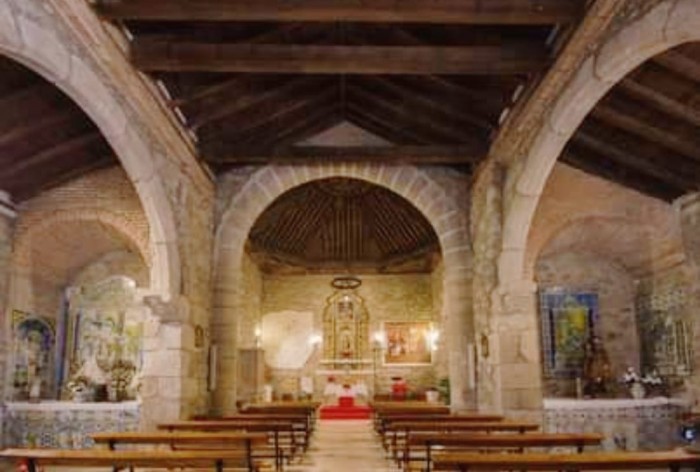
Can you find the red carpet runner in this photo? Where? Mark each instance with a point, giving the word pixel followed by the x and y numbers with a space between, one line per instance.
pixel 345 412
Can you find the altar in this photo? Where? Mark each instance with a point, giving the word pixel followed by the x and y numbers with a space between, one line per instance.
pixel 626 424
pixel 65 425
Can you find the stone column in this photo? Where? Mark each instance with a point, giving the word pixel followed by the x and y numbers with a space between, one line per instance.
pixel 516 342
pixel 688 208
pixel 7 224
pixel 459 335
pixel 168 377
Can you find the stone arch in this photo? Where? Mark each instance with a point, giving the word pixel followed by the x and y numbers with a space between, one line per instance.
pixel 414 185
pixel 669 24
pixel 23 241
pixel 40 47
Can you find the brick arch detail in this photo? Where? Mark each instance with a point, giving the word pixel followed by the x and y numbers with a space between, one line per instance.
pixel 41 48
pixel 670 24
pixel 416 186
pixel 24 239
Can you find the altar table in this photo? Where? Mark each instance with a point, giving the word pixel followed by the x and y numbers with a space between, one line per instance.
pixel 626 424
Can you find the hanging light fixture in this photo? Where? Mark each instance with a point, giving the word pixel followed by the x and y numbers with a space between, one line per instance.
pixel 346 282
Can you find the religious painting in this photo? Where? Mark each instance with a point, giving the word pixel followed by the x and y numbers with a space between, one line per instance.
pixel 408 342
pixel 568 317
pixel 34 339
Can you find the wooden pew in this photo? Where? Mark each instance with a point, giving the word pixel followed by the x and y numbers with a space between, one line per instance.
pixel 402 430
pixel 162 459
pixel 464 461
pixel 308 408
pixel 300 421
pixel 253 444
pixel 425 442
pixel 386 420
pixel 414 409
pixel 277 429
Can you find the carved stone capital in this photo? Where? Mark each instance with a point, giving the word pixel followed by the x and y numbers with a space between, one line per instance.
pixel 172 311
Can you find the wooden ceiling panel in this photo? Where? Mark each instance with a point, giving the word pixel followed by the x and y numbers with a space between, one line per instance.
pixel 503 12
pixel 415 72
pixel 45 139
pixel 341 223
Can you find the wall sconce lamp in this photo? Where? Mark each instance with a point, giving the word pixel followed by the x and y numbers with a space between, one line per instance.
pixel 432 338
pixel 258 335
pixel 379 339
pixel 315 339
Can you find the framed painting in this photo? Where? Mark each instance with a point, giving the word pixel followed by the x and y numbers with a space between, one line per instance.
pixel 407 342
pixel 568 317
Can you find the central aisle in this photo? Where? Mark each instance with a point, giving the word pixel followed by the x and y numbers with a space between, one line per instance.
pixel 344 446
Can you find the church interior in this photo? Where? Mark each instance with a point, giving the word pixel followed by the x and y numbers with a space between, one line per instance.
pixel 267 231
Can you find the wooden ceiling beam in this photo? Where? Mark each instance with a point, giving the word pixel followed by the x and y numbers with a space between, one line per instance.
pixel 256 117
pixel 388 131
pixel 244 96
pixel 31 124
pixel 680 63
pixel 439 155
pixel 396 111
pixel 155 55
pixel 469 12
pixel 679 174
pixel 626 119
pixel 452 111
pixel 92 140
pixel 600 166
pixel 661 102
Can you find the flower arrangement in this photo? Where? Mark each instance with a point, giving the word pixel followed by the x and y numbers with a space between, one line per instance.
pixel 630 377
pixel 79 388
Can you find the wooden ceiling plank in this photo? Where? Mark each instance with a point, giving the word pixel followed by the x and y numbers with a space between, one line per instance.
pixel 685 177
pixel 655 133
pixel 429 155
pixel 389 131
pixel 257 116
pixel 69 147
pixel 35 100
pixel 601 167
pixel 679 63
pixel 661 102
pixel 450 111
pixel 239 102
pixel 31 123
pixel 470 12
pixel 443 131
pixel 174 56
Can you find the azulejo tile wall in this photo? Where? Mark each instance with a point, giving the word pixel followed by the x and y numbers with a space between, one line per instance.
pixel 65 424
pixel 626 424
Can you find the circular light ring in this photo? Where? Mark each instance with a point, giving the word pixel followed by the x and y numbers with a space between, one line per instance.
pixel 346 283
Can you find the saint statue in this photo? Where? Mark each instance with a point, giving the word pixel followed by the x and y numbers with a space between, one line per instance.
pixel 596 368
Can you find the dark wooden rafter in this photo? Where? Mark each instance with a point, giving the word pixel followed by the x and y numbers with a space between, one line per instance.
pixel 637 120
pixel 253 118
pixel 396 111
pixel 452 112
pixel 33 101
pixel 679 63
pixel 661 102
pixel 648 159
pixel 176 56
pixel 29 124
pixel 244 95
pixel 599 165
pixel 389 131
pixel 505 12
pixel 92 142
pixel 428 155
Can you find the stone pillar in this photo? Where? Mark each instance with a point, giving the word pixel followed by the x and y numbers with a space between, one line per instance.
pixel 516 343
pixel 459 335
pixel 7 224
pixel 688 208
pixel 168 377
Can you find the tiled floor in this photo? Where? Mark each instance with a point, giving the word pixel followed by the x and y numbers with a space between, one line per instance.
pixel 337 446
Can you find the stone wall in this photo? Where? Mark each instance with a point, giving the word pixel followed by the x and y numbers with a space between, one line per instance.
pixel 387 298
pixel 616 301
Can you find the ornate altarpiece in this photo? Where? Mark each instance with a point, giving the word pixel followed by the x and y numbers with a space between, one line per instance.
pixel 345 328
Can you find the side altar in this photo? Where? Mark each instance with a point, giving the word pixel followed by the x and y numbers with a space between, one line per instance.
pixel 67 425
pixel 626 424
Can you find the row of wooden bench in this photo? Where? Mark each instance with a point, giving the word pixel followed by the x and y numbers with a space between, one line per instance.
pixel 431 438
pixel 262 434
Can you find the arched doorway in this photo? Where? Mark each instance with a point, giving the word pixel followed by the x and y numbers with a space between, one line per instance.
pixel 417 187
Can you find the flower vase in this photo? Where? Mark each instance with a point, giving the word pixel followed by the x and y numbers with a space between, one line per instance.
pixel 637 390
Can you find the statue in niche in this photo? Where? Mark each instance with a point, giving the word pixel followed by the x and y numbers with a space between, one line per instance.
pixel 597 374
pixel 345 326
